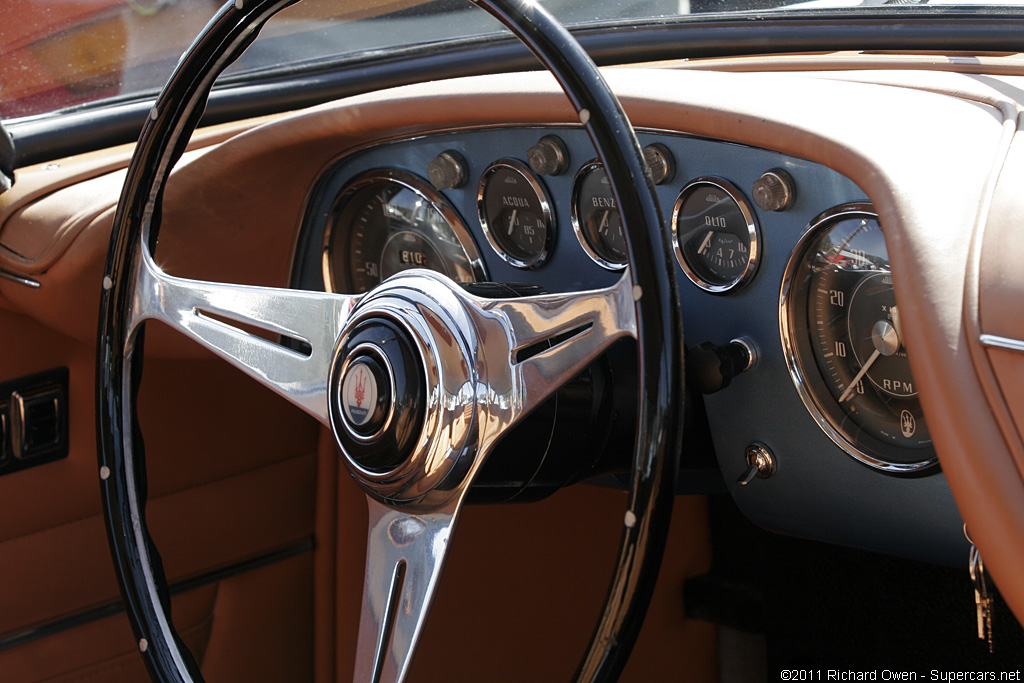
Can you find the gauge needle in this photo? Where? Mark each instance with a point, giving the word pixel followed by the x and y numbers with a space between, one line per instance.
pixel 512 222
pixel 894 313
pixel 604 222
pixel 707 241
pixel 849 390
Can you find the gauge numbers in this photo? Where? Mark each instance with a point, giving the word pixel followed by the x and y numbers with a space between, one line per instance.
pixel 515 213
pixel 715 235
pixel 387 221
pixel 844 340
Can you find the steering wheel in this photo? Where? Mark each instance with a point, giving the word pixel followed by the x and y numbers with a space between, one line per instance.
pixel 418 341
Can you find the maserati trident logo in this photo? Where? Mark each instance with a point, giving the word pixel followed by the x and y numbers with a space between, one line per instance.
pixel 359 394
pixel 908 424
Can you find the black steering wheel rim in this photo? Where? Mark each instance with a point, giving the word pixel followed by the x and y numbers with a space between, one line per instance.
pixel 659 333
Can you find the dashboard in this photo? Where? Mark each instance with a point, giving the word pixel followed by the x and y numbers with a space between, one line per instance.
pixel 885 263
pixel 782 256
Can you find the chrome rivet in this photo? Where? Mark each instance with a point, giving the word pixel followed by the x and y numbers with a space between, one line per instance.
pixel 751 348
pixel 584 116
pixel 143 645
pixel 104 473
pixel 154 113
pixel 630 519
pixel 638 292
pixel 107 283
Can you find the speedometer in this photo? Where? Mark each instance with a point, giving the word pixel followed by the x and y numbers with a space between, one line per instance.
pixel 386 221
pixel 844 341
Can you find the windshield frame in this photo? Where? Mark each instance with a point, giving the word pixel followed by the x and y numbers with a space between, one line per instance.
pixel 944 30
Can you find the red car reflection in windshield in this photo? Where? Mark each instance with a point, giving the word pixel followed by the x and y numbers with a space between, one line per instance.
pixel 59 53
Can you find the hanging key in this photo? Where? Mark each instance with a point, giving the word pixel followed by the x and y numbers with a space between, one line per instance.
pixel 982 599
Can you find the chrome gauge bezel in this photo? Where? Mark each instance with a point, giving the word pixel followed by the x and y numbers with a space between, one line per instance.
pixel 421 188
pixel 545 207
pixel 577 222
pixel 752 232
pixel 798 357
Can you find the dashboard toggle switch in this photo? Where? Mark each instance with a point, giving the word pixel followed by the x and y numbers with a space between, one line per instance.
pixel 760 463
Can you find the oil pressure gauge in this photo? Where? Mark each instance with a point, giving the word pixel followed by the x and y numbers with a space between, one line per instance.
pixel 515 213
pixel 715 235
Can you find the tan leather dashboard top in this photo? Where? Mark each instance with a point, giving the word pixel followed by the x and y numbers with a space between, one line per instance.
pixel 930 158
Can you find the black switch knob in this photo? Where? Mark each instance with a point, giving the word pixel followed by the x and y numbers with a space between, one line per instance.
pixel 710 368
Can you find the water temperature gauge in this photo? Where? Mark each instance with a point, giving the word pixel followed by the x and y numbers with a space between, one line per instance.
pixel 515 213
pixel 715 235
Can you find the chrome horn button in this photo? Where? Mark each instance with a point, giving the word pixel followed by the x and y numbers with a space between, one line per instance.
pixel 377 368
pixel 402 392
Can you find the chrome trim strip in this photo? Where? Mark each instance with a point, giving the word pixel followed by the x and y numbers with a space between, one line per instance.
pixel 996 342
pixel 789 345
pixel 20 279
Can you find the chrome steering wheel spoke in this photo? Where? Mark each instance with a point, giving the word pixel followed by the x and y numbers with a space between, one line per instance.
pixel 523 350
pixel 204 311
pixel 405 554
pixel 552 338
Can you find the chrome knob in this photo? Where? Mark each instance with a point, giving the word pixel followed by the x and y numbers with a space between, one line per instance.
pixel 774 191
pixel 661 163
pixel 447 171
pixel 549 156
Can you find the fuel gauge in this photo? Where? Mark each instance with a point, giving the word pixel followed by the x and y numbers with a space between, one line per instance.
pixel 515 213
pixel 595 218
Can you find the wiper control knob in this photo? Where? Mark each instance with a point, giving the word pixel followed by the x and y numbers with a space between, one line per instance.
pixel 774 191
pixel 447 171
pixel 549 156
pixel 660 161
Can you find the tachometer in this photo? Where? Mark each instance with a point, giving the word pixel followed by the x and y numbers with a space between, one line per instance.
pixel 844 341
pixel 386 221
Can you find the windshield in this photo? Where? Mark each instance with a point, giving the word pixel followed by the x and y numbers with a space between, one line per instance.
pixel 56 54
